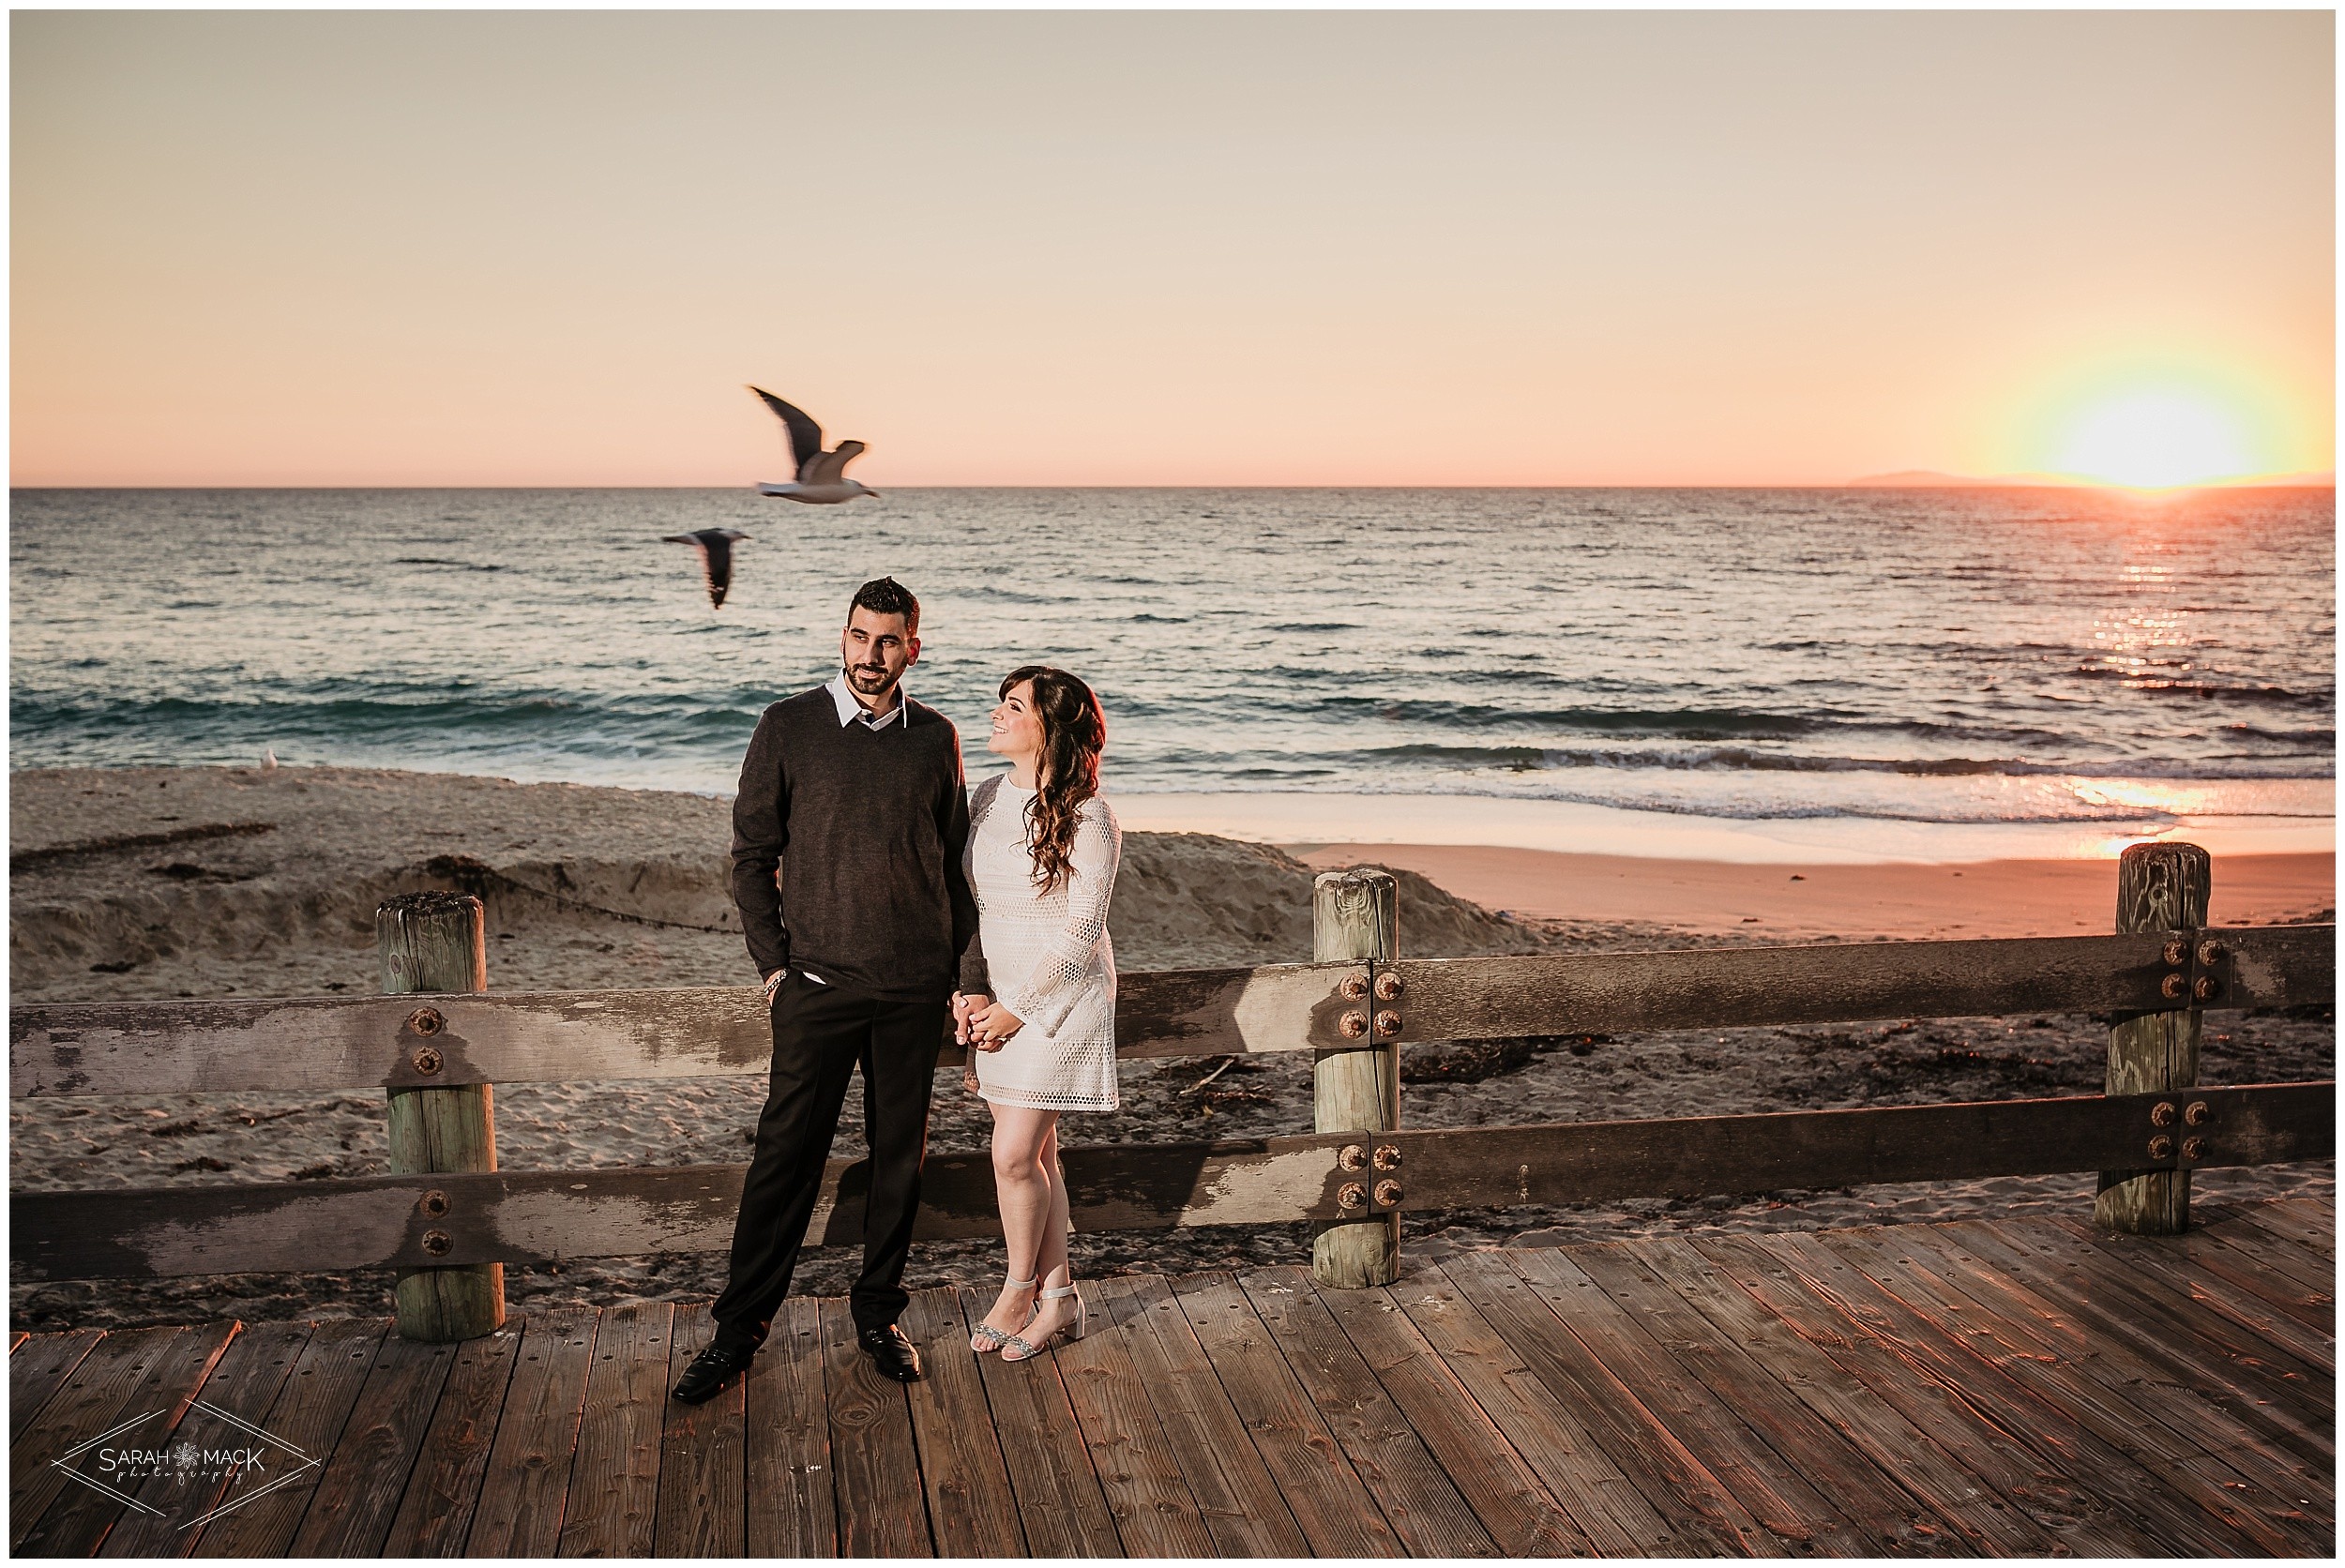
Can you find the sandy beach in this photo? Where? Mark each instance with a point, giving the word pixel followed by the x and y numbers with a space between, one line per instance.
pixel 156 883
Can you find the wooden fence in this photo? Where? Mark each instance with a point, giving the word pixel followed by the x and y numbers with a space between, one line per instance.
pixel 449 1218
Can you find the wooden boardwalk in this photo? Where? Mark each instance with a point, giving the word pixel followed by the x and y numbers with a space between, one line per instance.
pixel 1961 1389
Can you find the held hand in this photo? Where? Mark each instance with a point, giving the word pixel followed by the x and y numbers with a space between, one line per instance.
pixel 992 1024
pixel 960 1019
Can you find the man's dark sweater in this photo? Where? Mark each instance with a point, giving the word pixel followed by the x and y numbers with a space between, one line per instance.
pixel 866 827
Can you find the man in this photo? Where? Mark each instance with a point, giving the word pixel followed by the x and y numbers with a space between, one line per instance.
pixel 855 792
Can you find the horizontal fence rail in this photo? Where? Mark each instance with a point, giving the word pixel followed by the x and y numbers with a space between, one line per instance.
pixel 208 1047
pixel 554 1216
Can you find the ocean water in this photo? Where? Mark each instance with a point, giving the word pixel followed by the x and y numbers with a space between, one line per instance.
pixel 2001 656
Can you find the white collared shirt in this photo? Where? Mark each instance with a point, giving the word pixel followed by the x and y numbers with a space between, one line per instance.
pixel 850 710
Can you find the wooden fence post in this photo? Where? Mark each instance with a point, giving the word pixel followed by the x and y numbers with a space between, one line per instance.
pixel 2160 887
pixel 1356 915
pixel 434 942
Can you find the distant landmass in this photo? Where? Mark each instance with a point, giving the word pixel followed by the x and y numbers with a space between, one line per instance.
pixel 1931 479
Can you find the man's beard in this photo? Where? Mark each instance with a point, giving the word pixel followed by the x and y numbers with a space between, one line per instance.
pixel 870 681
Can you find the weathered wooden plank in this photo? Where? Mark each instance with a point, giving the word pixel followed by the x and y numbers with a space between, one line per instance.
pixel 1155 1513
pixel 1244 1513
pixel 2309 1225
pixel 365 1477
pixel 2182 1470
pixel 210 1047
pixel 703 1459
pixel 875 1465
pixel 1787 1328
pixel 90 1402
pixel 970 1505
pixel 234 1400
pixel 615 1479
pixel 528 1481
pixel 1503 1492
pixel 1676 1482
pixel 555 1215
pixel 38 1368
pixel 1424 1506
pixel 792 1512
pixel 2225 1281
pixel 1060 1504
pixel 2164 1328
pixel 290 1044
pixel 1802 1477
pixel 1447 998
pixel 443 1490
pixel 79 1518
pixel 1337 1514
pixel 2308 1282
pixel 264 1509
pixel 15 1340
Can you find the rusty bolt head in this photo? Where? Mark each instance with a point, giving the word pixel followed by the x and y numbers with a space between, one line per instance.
pixel 426 1061
pixel 1352 1195
pixel 1387 1157
pixel 1387 1194
pixel 2196 1112
pixel 2161 1147
pixel 2162 1114
pixel 425 1021
pixel 2177 952
pixel 1353 1158
pixel 438 1243
pixel 1353 1025
pixel 2210 953
pixel 2194 1148
pixel 2173 986
pixel 2205 987
pixel 1355 987
pixel 433 1203
pixel 1388 986
pixel 1387 1023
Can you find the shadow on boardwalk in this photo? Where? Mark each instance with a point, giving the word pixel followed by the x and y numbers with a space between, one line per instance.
pixel 2028 1387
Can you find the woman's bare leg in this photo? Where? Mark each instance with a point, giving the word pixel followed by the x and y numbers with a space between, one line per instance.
pixel 1050 1256
pixel 1023 1182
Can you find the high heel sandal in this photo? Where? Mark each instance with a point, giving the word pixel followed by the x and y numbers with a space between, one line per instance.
pixel 994 1339
pixel 1070 1329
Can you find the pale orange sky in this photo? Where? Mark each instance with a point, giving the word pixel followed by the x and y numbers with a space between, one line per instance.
pixel 1068 247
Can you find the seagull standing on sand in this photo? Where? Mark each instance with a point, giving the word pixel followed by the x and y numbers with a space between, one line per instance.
pixel 716 547
pixel 821 480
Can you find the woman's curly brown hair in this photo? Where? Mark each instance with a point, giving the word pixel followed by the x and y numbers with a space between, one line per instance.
pixel 1074 733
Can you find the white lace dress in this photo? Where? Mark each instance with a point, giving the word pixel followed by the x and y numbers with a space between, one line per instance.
pixel 1047 954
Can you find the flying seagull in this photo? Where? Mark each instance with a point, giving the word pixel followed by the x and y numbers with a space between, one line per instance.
pixel 821 478
pixel 716 547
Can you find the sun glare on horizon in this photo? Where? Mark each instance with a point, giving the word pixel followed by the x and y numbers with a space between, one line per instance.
pixel 2155 438
pixel 2161 422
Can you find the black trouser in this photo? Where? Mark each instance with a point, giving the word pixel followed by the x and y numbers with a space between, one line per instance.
pixel 821 1034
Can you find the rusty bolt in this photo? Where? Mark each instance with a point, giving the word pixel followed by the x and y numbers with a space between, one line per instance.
pixel 1388 986
pixel 2177 951
pixel 2196 1112
pixel 1355 987
pixel 1352 1195
pixel 2173 986
pixel 1387 1156
pixel 1387 1194
pixel 425 1021
pixel 2161 1147
pixel 438 1243
pixel 2205 987
pixel 2194 1148
pixel 2162 1114
pixel 1353 1158
pixel 1387 1023
pixel 1353 1025
pixel 2210 953
pixel 426 1061
pixel 433 1203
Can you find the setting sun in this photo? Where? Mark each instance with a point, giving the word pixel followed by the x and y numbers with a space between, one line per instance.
pixel 2154 438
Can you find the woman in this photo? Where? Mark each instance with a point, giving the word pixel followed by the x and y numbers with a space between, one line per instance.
pixel 1038 991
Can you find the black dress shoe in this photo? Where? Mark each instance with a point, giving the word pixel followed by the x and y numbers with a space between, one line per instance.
pixel 710 1371
pixel 891 1353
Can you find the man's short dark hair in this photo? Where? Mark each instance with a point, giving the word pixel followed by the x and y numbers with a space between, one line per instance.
pixel 886 596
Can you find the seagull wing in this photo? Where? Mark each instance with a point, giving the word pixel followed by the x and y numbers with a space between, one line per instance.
pixel 830 467
pixel 720 564
pixel 806 436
